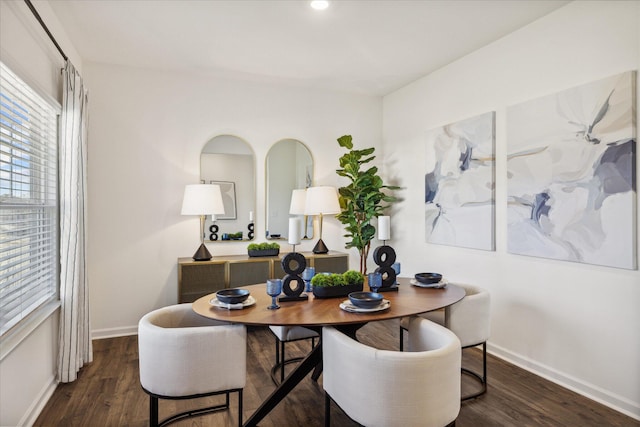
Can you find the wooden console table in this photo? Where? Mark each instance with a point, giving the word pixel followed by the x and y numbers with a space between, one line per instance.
pixel 199 278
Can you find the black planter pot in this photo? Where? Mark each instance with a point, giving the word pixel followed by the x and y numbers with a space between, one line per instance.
pixel 335 291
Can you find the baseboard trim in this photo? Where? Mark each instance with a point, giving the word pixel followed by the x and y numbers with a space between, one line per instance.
pixel 38 404
pixel 98 334
pixel 593 392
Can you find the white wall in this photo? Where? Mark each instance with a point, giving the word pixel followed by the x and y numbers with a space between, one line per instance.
pixel 146 131
pixel 574 323
pixel 29 354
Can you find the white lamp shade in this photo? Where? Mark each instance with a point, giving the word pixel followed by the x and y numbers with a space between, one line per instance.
pixel 202 199
pixel 298 201
pixel 322 200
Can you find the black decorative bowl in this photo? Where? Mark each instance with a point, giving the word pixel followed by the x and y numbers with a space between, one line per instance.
pixel 365 299
pixel 232 296
pixel 428 278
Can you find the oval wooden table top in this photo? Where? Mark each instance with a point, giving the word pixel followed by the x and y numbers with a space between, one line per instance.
pixel 409 300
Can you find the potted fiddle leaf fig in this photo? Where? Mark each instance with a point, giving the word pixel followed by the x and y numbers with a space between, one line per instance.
pixel 361 200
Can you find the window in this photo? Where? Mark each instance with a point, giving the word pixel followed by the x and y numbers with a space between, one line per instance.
pixel 28 200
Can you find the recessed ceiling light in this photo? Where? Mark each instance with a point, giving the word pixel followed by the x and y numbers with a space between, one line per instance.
pixel 319 4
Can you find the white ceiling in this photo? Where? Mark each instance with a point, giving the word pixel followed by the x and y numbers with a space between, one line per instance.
pixel 370 47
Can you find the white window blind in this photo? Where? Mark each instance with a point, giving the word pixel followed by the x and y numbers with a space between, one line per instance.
pixel 28 200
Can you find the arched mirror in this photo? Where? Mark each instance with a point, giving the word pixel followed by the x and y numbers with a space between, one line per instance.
pixel 289 167
pixel 228 161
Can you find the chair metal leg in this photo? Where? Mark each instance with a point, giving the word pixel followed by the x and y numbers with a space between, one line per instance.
pixel 153 411
pixel 401 338
pixel 282 359
pixel 154 400
pixel 481 378
pixel 240 408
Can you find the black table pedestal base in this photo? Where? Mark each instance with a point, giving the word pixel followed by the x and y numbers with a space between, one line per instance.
pixel 313 361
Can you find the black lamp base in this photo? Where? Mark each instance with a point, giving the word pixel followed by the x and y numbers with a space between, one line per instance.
pixel 320 248
pixel 202 254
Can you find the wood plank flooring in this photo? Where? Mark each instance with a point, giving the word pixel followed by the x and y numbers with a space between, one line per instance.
pixel 108 393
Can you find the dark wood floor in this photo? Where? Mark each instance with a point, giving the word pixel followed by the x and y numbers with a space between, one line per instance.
pixel 108 393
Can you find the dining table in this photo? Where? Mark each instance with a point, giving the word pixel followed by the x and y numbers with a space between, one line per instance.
pixel 314 313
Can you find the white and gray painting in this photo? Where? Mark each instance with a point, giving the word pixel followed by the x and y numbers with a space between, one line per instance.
pixel 459 183
pixel 571 174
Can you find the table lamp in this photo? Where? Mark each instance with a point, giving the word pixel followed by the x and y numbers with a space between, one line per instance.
pixel 322 200
pixel 202 200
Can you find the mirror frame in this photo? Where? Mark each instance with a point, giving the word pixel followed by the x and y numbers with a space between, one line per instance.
pixel 225 229
pixel 305 181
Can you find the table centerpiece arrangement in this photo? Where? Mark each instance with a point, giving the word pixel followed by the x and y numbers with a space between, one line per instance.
pixel 330 285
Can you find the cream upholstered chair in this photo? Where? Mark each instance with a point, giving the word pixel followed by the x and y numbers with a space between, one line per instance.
pixel 470 320
pixel 420 387
pixel 184 355
pixel 285 334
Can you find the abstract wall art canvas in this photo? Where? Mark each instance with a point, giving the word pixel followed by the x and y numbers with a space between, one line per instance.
pixel 459 183
pixel 571 182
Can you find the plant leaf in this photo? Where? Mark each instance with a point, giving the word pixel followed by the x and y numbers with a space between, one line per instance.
pixel 345 141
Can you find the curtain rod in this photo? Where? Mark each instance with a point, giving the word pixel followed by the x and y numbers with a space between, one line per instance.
pixel 44 26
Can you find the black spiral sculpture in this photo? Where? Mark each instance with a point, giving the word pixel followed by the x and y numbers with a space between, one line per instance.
pixel 213 229
pixel 250 233
pixel 384 256
pixel 293 264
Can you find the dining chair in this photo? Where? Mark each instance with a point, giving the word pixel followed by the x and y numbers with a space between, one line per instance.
pixel 283 335
pixel 183 355
pixel 470 320
pixel 419 387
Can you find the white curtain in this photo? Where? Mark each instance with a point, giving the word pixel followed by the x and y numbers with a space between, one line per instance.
pixel 75 348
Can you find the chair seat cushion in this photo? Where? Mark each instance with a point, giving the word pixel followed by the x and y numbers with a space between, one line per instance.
pixel 292 333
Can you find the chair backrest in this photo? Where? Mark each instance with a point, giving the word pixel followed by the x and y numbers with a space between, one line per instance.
pixel 182 353
pixel 383 388
pixel 470 318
